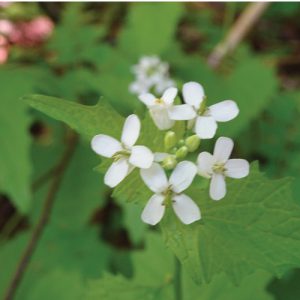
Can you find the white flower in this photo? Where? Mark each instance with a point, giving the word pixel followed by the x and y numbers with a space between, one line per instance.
pixel 205 123
pixel 162 110
pixel 126 156
pixel 218 166
pixel 170 192
pixel 150 73
pixel 139 87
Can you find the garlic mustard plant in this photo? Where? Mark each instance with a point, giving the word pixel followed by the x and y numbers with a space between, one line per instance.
pixel 174 162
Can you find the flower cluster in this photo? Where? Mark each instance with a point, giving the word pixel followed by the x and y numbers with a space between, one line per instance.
pixel 23 33
pixel 201 124
pixel 150 74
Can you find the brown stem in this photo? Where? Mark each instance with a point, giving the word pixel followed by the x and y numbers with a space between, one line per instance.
pixel 44 217
pixel 237 33
pixel 43 178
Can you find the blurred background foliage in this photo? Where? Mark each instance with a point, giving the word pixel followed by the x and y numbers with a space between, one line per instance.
pixel 87 53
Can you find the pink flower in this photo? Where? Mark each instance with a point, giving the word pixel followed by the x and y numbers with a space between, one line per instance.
pixel 4 49
pixel 6 27
pixel 4 4
pixel 25 34
pixel 31 33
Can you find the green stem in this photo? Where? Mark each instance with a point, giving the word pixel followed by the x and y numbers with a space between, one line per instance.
pixel 177 280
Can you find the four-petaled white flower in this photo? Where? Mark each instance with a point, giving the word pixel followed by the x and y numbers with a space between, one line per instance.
pixel 126 156
pixel 206 118
pixel 150 73
pixel 170 192
pixel 218 166
pixel 162 110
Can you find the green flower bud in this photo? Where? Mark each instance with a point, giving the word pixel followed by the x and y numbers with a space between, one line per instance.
pixel 169 162
pixel 182 152
pixel 170 140
pixel 192 142
pixel 181 142
pixel 173 150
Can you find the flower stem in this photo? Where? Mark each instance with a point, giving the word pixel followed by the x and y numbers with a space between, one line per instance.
pixel 177 280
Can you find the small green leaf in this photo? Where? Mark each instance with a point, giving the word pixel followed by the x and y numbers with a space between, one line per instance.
pixel 256 226
pixel 86 120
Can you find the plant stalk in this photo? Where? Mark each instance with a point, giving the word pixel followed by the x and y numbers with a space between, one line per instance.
pixel 177 280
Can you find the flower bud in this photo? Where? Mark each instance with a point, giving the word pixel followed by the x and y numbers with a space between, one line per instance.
pixel 181 142
pixel 192 142
pixel 170 140
pixel 182 152
pixel 169 162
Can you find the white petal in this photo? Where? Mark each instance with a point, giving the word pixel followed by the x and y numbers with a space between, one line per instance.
pixel 155 178
pixel 224 111
pixel 182 176
pixel 186 209
pixel 223 149
pixel 105 145
pixel 116 172
pixel 237 168
pixel 205 127
pixel 160 156
pixel 154 210
pixel 169 95
pixel 217 188
pixel 161 118
pixel 147 99
pixel 205 162
pixel 131 130
pixel 141 157
pixel 193 94
pixel 181 112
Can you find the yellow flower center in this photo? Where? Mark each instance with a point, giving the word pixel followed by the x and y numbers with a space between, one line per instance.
pixel 159 101
pixel 219 168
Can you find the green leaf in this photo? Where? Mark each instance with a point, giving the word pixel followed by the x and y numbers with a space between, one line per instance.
pixel 15 166
pixel 9 257
pixel 221 288
pixel 111 65
pixel 150 28
pixel 256 226
pixel 119 288
pixel 251 82
pixel 132 220
pixel 81 193
pixel 58 284
pixel 77 250
pixel 151 280
pixel 86 120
